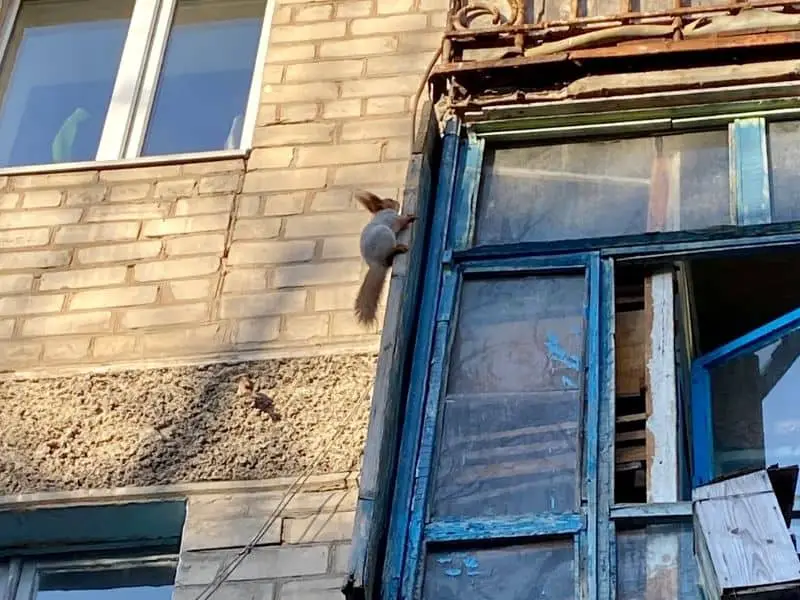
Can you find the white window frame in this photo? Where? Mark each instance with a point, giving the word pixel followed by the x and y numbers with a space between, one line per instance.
pixel 137 77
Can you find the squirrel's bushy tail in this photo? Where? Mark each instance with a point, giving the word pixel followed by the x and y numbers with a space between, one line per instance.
pixel 369 293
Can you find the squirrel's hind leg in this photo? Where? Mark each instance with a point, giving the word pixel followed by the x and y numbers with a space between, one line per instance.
pixel 398 249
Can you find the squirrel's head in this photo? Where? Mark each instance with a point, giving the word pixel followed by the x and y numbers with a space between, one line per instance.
pixel 374 204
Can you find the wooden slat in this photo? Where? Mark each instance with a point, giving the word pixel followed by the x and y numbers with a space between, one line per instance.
pixel 630 341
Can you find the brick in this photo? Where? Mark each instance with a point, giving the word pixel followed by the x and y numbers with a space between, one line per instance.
pixel 42 199
pixel 398 149
pixel 380 86
pixel 114 345
pixel 359 47
pixel 341 247
pixel 191 289
pixel 54 180
pixel 244 280
pixel 385 172
pixel 30 305
pixel 126 212
pixel 386 105
pixel 259 305
pixel 319 12
pixel 303 33
pixel 176 188
pixel 12 284
pixel 24 238
pixel 245 590
pixel 319 528
pixel 341 558
pixel 304 503
pixel 326 225
pixel 335 298
pixel 249 206
pixel 345 324
pixel 324 70
pixel 393 24
pixel 305 327
pixel 81 278
pixel 176 268
pixel 86 196
pixel 69 324
pixel 206 337
pixel 332 200
pixel 398 63
pixel 9 201
pixel 155 173
pixel 438 20
pixel 290 53
pixel 256 229
pixel 270 158
pixel 257 330
pixel 97 232
pixel 338 109
pixel 427 5
pixel 414 42
pixel 298 113
pixel 184 225
pixel 282 16
pixel 119 252
pixel 313 589
pixel 198 568
pixel 128 192
pixel 267 114
pixel 203 205
pixel 72 349
pixel 293 133
pixel 196 244
pixel 285 180
pixel 6 328
pixel 111 298
pixel 317 274
pixel 39 218
pixel 394 7
pixel 273 74
pixel 165 315
pixel 210 167
pixel 340 154
pixel 353 8
pixel 368 129
pixel 219 184
pixel 214 533
pixel 284 204
pixel 301 92
pixel 20 352
pixel 33 260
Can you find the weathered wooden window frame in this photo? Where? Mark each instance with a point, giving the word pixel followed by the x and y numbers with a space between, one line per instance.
pixel 450 232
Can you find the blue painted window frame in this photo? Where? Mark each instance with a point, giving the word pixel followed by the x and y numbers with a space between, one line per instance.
pixel 450 253
pixel 702 414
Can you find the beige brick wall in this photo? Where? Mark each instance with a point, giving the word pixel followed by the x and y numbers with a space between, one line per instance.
pixel 226 256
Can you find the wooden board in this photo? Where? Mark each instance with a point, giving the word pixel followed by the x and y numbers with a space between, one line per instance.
pixel 630 348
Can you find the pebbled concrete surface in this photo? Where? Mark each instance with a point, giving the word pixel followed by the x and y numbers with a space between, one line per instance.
pixel 184 424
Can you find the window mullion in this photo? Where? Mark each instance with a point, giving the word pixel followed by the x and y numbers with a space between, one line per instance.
pixel 129 76
pixel 749 171
pixel 9 16
pixel 149 80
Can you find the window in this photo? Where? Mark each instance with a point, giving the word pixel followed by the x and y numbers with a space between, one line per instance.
pixel 550 435
pixel 85 80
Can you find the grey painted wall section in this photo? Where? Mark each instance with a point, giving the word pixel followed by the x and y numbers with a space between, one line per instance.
pixel 183 424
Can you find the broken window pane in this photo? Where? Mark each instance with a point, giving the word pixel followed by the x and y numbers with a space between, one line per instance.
pixel 755 409
pixel 543 571
pixel 656 561
pixel 784 154
pixel 509 441
pixel 604 188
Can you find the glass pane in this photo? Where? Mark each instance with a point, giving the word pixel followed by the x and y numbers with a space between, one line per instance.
pixel 604 188
pixel 755 409
pixel 205 78
pixel 118 583
pixel 509 440
pixel 544 571
pixel 657 561
pixel 57 79
pixel 784 153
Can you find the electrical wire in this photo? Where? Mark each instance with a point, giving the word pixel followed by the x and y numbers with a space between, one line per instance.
pixel 224 573
pixel 419 91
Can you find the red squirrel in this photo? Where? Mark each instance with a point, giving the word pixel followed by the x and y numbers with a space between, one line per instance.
pixel 378 248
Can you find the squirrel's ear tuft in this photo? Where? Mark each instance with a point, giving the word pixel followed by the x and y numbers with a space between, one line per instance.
pixel 370 201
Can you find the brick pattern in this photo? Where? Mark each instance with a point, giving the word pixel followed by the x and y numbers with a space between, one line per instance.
pixel 191 259
pixel 303 555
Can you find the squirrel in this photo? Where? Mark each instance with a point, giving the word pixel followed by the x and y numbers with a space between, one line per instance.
pixel 378 248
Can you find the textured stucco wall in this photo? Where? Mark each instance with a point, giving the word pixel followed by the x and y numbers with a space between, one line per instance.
pixel 186 424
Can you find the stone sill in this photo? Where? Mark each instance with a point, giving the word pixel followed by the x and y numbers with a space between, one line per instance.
pixel 121 495
pixel 123 163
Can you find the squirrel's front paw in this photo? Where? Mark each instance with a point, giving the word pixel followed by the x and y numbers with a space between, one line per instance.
pixel 411 217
